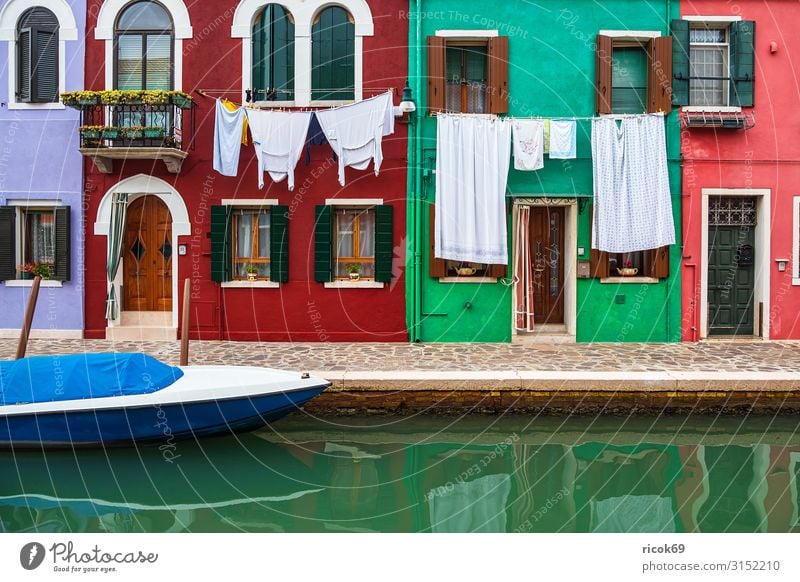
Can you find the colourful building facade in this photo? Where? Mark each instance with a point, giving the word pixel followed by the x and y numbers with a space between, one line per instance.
pixel 41 182
pixel 183 218
pixel 552 61
pixel 741 177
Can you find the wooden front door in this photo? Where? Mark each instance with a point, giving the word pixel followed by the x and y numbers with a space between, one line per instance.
pixel 147 258
pixel 547 255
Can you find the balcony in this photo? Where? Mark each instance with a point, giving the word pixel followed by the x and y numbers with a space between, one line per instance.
pixel 134 125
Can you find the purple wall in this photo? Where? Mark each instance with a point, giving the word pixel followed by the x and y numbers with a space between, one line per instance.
pixel 39 159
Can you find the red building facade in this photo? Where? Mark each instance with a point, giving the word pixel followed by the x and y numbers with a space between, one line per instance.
pixel 207 49
pixel 741 171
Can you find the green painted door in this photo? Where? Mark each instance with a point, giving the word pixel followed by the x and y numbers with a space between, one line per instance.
pixel 731 279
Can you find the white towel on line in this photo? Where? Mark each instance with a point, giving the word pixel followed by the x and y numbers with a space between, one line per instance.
pixel 632 201
pixel 355 132
pixel 278 138
pixel 563 139
pixel 227 139
pixel 528 144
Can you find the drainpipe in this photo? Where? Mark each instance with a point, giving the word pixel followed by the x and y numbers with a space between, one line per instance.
pixel 417 189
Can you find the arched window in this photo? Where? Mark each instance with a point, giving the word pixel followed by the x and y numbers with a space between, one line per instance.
pixel 37 56
pixel 273 54
pixel 333 55
pixel 143 47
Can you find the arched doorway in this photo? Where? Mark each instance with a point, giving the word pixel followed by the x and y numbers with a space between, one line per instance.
pixel 147 259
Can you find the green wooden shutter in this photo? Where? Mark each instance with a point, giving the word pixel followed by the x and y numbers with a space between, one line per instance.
pixel 258 80
pixel 282 48
pixel 221 243
pixel 323 244
pixel 333 55
pixel 384 243
pixel 62 237
pixel 680 62
pixel 45 66
pixel 279 243
pixel 24 65
pixel 8 243
pixel 742 48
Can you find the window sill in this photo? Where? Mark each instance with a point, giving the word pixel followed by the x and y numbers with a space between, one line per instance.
pixel 250 285
pixel 354 285
pixel 796 281
pixel 274 104
pixel 630 280
pixel 29 283
pixel 467 280
pixel 710 109
pixel 36 106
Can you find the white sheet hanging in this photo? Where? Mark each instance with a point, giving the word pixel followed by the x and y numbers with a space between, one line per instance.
pixel 633 514
pixel 528 144
pixel 632 201
pixel 356 132
pixel 278 138
pixel 471 506
pixel 227 139
pixel 523 269
pixel 473 156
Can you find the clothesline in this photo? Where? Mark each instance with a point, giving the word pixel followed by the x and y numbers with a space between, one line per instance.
pixel 205 93
pixel 551 117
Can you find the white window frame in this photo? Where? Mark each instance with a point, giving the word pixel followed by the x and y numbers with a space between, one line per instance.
pixel 105 29
pixel 241 204
pixel 21 205
pixel 358 202
pixel 796 240
pixel 304 12
pixel 714 22
pixel 67 31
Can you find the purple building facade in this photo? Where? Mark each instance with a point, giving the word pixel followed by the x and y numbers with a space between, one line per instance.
pixel 41 168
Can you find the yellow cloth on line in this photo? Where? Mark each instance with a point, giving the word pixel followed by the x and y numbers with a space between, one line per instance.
pixel 546 135
pixel 230 106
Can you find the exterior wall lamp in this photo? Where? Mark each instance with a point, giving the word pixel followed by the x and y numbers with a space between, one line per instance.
pixel 407 104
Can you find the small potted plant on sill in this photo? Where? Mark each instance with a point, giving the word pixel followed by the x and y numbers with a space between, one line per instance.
pixel 252 272
pixel 354 271
pixel 628 270
pixel 26 270
pixel 43 270
pixel 91 131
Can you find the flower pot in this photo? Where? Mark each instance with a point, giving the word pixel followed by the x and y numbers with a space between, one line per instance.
pixel 252 276
pixel 182 102
pixel 628 272
pixel 153 133
pixel 91 134
pixel 26 275
pixel 355 276
pixel 112 133
pixel 87 101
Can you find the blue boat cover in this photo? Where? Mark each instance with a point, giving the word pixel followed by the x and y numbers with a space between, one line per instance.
pixel 75 377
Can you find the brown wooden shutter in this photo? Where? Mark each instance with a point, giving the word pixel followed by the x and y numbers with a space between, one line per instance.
pixel 436 267
pixel 604 66
pixel 437 57
pixel 659 79
pixel 497 271
pixel 598 260
pixel 658 263
pixel 498 75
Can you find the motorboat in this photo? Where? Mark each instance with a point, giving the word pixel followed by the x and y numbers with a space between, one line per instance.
pixel 100 399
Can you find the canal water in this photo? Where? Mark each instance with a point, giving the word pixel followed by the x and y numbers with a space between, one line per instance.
pixel 423 474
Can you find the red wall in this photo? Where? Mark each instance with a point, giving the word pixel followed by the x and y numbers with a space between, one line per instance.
pixel 766 156
pixel 302 309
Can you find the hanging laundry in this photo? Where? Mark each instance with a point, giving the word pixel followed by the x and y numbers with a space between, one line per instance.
pixel 315 137
pixel 355 132
pixel 278 138
pixel 547 136
pixel 227 139
pixel 231 106
pixel 473 155
pixel 632 201
pixel 523 269
pixel 528 144
pixel 563 138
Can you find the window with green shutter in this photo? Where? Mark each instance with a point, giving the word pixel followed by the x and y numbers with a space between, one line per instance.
pixel 37 57
pixel 333 55
pixel 273 54
pixel 32 236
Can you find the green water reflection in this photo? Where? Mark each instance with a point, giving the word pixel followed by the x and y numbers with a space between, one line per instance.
pixel 438 474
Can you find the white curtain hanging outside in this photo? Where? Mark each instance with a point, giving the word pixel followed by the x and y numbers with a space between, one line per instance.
pixel 114 249
pixel 523 270
pixel 632 201
pixel 473 156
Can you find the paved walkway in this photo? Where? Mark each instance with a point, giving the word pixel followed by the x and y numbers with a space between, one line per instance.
pixel 698 357
pixel 593 378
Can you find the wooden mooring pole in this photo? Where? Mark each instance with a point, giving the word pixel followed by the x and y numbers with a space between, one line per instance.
pixel 25 332
pixel 187 301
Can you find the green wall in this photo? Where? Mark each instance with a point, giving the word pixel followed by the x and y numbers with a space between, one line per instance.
pixel 551 74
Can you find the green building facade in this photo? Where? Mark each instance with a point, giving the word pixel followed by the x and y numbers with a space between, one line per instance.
pixel 557 66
